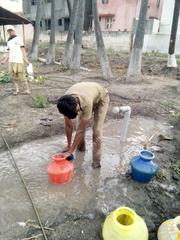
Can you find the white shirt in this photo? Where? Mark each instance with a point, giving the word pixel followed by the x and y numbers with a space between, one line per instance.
pixel 15 51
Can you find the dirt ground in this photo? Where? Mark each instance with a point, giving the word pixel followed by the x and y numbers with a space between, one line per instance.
pixel 155 97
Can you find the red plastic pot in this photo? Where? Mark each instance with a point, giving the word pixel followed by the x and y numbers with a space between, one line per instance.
pixel 58 157
pixel 60 170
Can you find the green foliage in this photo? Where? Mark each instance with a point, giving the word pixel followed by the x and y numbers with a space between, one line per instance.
pixel 161 175
pixel 40 79
pixel 174 109
pixel 176 168
pixel 173 105
pixel 41 101
pixel 153 53
pixel 5 77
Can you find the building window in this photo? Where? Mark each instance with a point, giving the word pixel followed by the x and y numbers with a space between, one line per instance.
pixel 66 24
pixel 105 1
pixel 108 22
pixel 49 24
pixel 100 19
pixel 33 2
pixel 60 22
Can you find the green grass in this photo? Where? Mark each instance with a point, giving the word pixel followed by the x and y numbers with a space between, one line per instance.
pixel 5 77
pixel 176 168
pixel 41 101
pixel 174 108
pixel 173 105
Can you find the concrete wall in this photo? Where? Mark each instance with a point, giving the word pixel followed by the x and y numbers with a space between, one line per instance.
pixel 121 41
pixel 118 41
pixel 160 43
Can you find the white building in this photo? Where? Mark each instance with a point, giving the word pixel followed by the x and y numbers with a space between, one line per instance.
pixel 12 5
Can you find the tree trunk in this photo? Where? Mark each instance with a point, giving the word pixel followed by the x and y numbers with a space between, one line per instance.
pixel 69 42
pixel 51 50
pixel 76 59
pixel 35 43
pixel 88 15
pixel 26 6
pixel 171 53
pixel 104 62
pixel 69 7
pixel 134 69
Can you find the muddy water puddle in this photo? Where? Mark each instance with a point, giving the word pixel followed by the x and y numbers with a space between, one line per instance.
pixel 33 158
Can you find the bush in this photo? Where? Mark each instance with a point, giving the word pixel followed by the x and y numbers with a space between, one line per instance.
pixel 5 77
pixel 41 101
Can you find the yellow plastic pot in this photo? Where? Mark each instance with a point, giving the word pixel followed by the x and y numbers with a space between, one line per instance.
pixel 124 224
pixel 170 229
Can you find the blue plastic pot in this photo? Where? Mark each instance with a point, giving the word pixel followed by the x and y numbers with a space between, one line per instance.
pixel 143 167
pixel 70 158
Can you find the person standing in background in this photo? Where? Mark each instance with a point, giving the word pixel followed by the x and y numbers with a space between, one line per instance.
pixel 17 58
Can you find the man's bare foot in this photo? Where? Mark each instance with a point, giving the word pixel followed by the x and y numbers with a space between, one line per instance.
pixel 15 93
pixel 27 92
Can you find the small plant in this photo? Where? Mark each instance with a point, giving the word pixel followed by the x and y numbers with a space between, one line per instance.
pixel 176 168
pixel 40 79
pixel 153 53
pixel 5 77
pixel 173 105
pixel 41 101
pixel 161 175
pixel 174 109
pixel 63 68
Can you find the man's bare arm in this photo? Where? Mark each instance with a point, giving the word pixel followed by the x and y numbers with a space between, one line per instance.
pixel 79 135
pixel 69 131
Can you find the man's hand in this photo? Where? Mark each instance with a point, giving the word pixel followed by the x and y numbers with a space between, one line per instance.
pixel 69 130
pixel 26 61
pixel 66 149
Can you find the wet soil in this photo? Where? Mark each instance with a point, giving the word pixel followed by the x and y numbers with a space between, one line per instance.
pixel 155 99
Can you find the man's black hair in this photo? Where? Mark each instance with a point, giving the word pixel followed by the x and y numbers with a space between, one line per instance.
pixel 67 106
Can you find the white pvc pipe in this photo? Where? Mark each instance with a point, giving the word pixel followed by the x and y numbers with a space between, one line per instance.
pixel 127 113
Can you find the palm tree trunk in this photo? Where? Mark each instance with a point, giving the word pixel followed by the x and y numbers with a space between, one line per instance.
pixel 104 62
pixel 134 69
pixel 51 50
pixel 76 59
pixel 171 53
pixel 69 42
pixel 35 43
